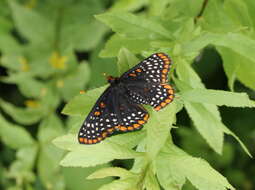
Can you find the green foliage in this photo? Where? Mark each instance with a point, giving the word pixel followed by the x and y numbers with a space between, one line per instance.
pixel 51 50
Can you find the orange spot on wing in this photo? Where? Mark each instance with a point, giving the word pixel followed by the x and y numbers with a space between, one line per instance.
pixel 122 128
pixel 130 128
pixel 99 138
pixel 81 139
pixel 146 117
pixel 97 113
pixel 163 104
pixel 132 74
pixel 160 54
pixel 95 141
pixel 167 62
pixel 164 71
pixel 90 141
pixel 141 122
pixel 168 100
pixel 104 134
pixel 171 96
pixel 139 70
pixel 171 91
pixel 136 125
pixel 110 130
pixel 167 86
pixel 157 108
pixel 166 66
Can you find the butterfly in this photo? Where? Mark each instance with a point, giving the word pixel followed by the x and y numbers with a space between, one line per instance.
pixel 119 108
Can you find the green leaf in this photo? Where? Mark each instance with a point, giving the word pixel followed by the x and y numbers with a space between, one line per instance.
pixel 128 5
pixel 82 104
pixel 116 42
pixel 206 124
pixel 85 156
pixel 206 117
pixel 238 11
pixel 158 129
pixel 78 28
pixel 217 97
pixel 122 184
pixel 128 139
pixel 75 81
pixel 75 178
pixel 112 171
pixel 25 116
pixel 22 168
pixel 14 136
pixel 231 63
pixel 49 156
pixel 132 26
pixel 126 60
pixel 28 85
pixel 151 182
pixel 239 43
pixel 229 132
pixel 32 25
pixel 196 170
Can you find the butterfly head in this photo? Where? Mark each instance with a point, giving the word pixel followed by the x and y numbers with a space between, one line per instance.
pixel 111 79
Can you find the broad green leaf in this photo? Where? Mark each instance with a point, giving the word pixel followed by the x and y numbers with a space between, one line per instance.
pixel 112 171
pixel 49 156
pixel 207 125
pixel 151 182
pixel 72 83
pixel 206 117
pixel 82 104
pixel 237 66
pixel 217 97
pixel 239 43
pixel 196 170
pixel 128 5
pixel 32 25
pixel 158 129
pixel 128 139
pixel 133 26
pixel 126 60
pixel 186 73
pixel 75 178
pixel 229 132
pixel 79 28
pixel 231 63
pixel 22 167
pixel 238 11
pixel 25 116
pixel 28 85
pixel 86 156
pixel 116 42
pixel 121 184
pixel 215 18
pixel 14 136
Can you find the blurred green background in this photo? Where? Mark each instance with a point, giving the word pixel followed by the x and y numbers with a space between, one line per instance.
pixel 49 51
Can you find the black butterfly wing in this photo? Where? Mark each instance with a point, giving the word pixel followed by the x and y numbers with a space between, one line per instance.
pixel 112 112
pixel 152 69
pixel 147 82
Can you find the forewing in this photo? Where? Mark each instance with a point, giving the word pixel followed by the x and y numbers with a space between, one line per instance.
pixel 112 112
pixel 152 69
pixel 147 82
pixel 101 120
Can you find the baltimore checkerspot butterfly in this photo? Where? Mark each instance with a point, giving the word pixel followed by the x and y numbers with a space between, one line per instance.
pixel 119 107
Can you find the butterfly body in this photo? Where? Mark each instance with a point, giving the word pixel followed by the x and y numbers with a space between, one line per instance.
pixel 119 107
